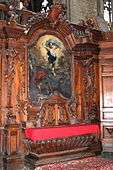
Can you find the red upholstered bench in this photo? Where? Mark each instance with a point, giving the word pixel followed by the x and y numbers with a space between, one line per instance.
pixel 57 143
pixel 61 131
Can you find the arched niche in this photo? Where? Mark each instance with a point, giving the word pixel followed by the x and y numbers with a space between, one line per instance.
pixel 51 71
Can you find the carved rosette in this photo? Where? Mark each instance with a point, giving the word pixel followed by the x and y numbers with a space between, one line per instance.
pixel 86 55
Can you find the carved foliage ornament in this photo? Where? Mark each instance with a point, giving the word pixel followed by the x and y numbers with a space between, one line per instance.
pixel 56 13
pixel 86 56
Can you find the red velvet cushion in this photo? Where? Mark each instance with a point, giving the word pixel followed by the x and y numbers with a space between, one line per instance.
pixel 59 132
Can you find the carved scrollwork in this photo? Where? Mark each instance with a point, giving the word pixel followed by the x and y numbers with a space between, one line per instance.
pixel 54 110
pixel 11 117
pixel 71 107
pixel 87 57
pixel 23 107
pixel 62 144
pixel 89 89
pixel 89 75
pixel 10 63
pixel 92 113
pixel 56 13
pixel 9 73
pixel 36 18
pixel 14 77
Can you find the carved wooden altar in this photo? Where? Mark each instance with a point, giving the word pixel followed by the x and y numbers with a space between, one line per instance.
pixel 39 91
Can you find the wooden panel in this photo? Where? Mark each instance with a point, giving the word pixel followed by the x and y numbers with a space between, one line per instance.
pixel 106 97
pixel 107 91
pixel 0 141
pixel 105 131
pixel 107 68
pixel 10 140
pixel 0 77
pixel 13 142
pixel 108 116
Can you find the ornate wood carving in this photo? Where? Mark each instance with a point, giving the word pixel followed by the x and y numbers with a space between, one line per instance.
pixel 86 33
pixel 86 56
pixel 15 106
pixel 76 146
pixel 13 85
pixel 55 110
pixel 63 144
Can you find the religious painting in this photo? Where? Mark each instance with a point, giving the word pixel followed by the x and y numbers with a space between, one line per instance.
pixel 49 69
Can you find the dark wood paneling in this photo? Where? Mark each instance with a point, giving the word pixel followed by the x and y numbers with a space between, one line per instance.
pixel 106 95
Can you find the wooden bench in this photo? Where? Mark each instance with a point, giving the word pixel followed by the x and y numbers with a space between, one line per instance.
pixel 51 144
